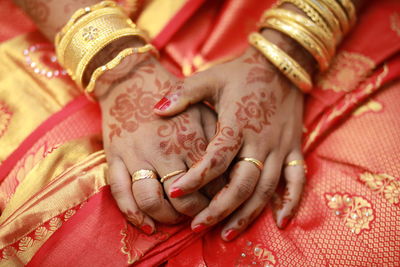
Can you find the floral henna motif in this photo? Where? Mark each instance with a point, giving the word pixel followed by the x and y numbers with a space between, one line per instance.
pixel 260 74
pixel 38 10
pixel 178 139
pixel 228 140
pixel 130 109
pixel 255 110
pixel 135 106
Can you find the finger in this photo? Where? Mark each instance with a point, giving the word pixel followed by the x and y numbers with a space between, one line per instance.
pixel 196 88
pixel 208 121
pixel 295 180
pixel 263 192
pixel 243 179
pixel 190 204
pixel 120 183
pixel 219 154
pixel 149 196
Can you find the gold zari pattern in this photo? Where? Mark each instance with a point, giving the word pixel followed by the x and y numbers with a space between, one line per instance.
pixel 384 184
pixel 356 212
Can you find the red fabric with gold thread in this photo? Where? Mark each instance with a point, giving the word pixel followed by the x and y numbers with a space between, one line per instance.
pixel 350 209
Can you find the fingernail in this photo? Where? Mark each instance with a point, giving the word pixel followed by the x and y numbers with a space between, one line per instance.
pixel 176 192
pixel 198 228
pixel 285 221
pixel 163 104
pixel 231 234
pixel 147 229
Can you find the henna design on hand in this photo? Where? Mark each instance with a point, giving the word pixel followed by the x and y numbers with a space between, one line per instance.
pixel 135 105
pixel 38 10
pixel 178 139
pixel 254 110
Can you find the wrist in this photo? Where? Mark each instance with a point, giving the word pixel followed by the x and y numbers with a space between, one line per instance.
pixel 108 53
pixel 292 48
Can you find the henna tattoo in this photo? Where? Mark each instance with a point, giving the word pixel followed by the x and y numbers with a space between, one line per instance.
pixel 135 105
pixel 136 217
pixel 130 109
pixel 38 10
pixel 255 110
pixel 228 140
pixel 261 72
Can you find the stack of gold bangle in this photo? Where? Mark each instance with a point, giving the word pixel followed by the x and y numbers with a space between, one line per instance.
pixel 90 30
pixel 325 24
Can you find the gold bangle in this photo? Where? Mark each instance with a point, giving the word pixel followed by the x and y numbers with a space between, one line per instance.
pixel 339 13
pixel 328 16
pixel 300 34
pixel 350 11
pixel 107 18
pixel 115 62
pixel 78 14
pixel 289 67
pixel 313 15
pixel 306 22
pixel 85 60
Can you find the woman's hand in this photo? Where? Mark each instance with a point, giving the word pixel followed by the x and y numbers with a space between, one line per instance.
pixel 259 116
pixel 135 138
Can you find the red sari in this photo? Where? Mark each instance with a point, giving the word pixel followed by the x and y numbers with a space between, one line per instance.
pixel 56 205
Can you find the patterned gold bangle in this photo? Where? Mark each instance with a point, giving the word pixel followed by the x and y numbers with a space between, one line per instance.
pixel 78 14
pixel 112 17
pixel 307 23
pixel 288 66
pixel 85 60
pixel 329 17
pixel 312 14
pixel 301 35
pixel 350 11
pixel 115 62
pixel 339 13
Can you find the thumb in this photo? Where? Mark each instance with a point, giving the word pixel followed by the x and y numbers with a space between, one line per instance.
pixel 196 88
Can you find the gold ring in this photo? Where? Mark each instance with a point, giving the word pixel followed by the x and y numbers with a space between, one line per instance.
pixel 170 175
pixel 256 162
pixel 298 162
pixel 143 174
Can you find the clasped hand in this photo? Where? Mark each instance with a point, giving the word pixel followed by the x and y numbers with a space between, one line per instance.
pixel 258 115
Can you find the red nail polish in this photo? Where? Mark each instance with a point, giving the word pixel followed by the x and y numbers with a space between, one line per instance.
pixel 231 234
pixel 147 229
pixel 198 228
pixel 285 221
pixel 176 192
pixel 163 104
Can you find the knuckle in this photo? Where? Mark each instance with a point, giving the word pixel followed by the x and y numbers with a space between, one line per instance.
pixel 244 189
pixel 149 203
pixel 267 189
pixel 187 207
pixel 117 190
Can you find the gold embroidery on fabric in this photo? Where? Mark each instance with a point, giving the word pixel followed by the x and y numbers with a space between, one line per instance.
pixel 395 23
pixel 255 254
pixel 346 72
pixel 125 247
pixel 38 234
pixel 356 212
pixel 370 106
pixel 5 117
pixel 384 184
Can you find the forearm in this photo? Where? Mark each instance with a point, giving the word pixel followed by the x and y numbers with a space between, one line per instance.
pixel 51 16
pixel 291 47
